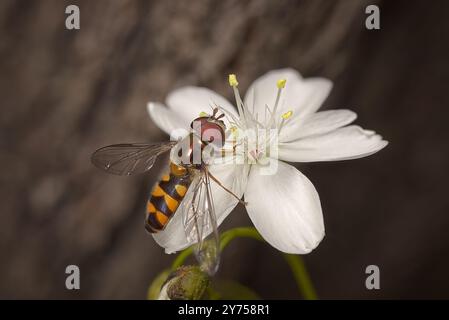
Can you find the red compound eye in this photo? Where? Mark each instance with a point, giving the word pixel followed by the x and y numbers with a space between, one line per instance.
pixel 209 130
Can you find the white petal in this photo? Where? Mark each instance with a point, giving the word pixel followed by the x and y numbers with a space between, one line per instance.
pixel 316 123
pixel 302 96
pixel 189 102
pixel 173 238
pixel 285 209
pixel 233 177
pixel 346 143
pixel 166 119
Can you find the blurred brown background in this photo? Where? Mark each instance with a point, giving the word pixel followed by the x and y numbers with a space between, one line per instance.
pixel 65 93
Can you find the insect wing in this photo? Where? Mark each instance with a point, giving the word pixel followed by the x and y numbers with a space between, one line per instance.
pixel 130 158
pixel 200 223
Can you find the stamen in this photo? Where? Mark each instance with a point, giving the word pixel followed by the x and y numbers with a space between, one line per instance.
pixel 285 117
pixel 231 118
pixel 234 131
pixel 281 85
pixel 234 83
pixel 254 100
pixel 267 119
pixel 233 80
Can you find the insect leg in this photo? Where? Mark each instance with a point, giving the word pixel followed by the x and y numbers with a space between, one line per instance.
pixel 196 196
pixel 224 188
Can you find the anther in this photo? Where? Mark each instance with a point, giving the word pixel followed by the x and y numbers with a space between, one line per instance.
pixel 233 80
pixel 234 83
pixel 281 83
pixel 234 131
pixel 284 117
pixel 287 115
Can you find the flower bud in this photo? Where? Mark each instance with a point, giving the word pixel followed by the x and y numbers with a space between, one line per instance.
pixel 185 283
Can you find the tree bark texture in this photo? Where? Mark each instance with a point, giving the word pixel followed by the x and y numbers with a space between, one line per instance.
pixel 65 93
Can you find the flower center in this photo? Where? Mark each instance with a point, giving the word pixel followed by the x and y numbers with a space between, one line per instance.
pixel 257 136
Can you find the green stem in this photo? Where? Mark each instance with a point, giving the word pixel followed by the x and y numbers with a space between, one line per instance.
pixel 295 262
pixel 243 232
pixel 179 261
pixel 301 276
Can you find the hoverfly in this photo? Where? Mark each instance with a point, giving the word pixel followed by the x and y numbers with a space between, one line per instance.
pixel 186 189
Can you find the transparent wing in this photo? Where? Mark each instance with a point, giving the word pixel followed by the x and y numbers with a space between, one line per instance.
pixel 129 158
pixel 200 223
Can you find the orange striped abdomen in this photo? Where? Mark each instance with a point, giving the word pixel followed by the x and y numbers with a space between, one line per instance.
pixel 165 198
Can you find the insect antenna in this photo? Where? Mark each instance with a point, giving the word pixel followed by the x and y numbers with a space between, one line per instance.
pixel 214 113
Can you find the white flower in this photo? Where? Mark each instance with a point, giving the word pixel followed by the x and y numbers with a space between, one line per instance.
pixel 284 207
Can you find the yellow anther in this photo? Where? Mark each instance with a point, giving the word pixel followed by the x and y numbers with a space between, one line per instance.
pixel 203 114
pixel 281 83
pixel 233 80
pixel 287 115
pixel 234 130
